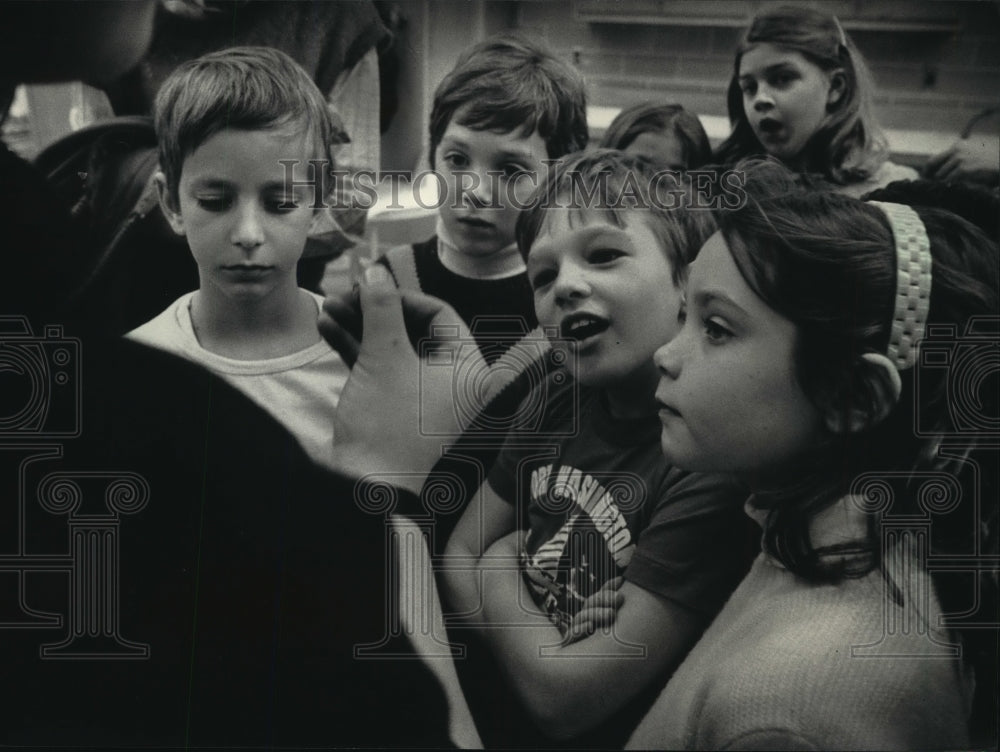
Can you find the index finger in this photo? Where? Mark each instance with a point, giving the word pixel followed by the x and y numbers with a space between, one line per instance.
pixel 382 323
pixel 339 337
pixel 430 317
pixel 426 309
pixel 340 324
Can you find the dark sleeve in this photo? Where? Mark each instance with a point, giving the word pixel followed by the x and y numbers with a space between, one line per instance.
pixel 694 549
pixel 556 398
pixel 251 585
pixel 503 476
pixel 324 38
pixel 42 253
pixel 458 475
pixel 538 435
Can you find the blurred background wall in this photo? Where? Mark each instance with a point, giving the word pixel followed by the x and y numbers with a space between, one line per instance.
pixel 936 63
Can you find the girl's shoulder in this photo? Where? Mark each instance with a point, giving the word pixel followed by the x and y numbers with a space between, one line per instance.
pixel 874 659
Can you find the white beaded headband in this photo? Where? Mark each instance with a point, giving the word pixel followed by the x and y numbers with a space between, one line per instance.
pixel 913 282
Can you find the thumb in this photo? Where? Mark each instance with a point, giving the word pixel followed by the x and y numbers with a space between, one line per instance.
pixel 381 311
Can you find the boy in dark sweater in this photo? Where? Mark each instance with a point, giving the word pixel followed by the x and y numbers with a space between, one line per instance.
pixel 505 110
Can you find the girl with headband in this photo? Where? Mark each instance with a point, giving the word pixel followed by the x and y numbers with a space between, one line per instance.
pixel 801 92
pixel 832 356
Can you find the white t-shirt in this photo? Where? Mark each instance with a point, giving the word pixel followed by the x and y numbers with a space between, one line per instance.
pixel 300 389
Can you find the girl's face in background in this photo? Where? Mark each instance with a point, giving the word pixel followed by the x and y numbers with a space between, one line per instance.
pixel 785 98
pixel 659 146
pixel 730 400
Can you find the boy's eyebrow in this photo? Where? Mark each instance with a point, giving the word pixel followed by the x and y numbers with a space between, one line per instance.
pixel 281 185
pixel 516 154
pixel 584 234
pixel 271 186
pixel 210 182
pixel 453 141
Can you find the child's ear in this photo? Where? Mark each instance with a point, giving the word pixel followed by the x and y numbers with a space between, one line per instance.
pixel 838 88
pixel 168 203
pixel 873 394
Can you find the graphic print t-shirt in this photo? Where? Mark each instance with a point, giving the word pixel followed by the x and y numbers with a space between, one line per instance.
pixel 566 561
pixel 600 501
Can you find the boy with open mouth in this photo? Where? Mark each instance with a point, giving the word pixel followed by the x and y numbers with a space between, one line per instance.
pixel 611 527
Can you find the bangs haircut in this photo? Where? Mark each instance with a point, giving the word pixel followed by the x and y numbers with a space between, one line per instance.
pixel 621 187
pixel 849 146
pixel 508 84
pixel 248 88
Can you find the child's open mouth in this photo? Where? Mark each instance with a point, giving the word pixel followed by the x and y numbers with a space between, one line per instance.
pixel 770 127
pixel 581 326
pixel 667 411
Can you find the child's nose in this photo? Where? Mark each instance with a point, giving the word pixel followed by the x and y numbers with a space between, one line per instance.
pixel 668 357
pixel 248 230
pixel 482 188
pixel 571 284
pixel 762 99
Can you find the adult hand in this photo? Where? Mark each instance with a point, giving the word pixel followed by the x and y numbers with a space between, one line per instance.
pixel 397 411
pixel 976 159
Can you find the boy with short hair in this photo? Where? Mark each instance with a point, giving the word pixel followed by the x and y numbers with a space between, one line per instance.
pixel 606 259
pixel 235 128
pixel 505 109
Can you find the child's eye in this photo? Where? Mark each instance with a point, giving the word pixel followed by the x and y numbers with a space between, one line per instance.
pixel 281 204
pixel 604 255
pixel 542 278
pixel 214 203
pixel 748 88
pixel 782 79
pixel 716 333
pixel 456 160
